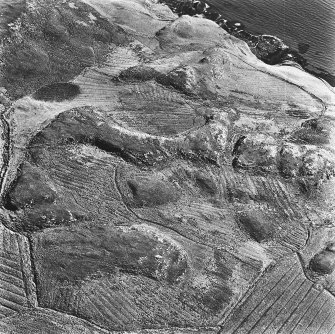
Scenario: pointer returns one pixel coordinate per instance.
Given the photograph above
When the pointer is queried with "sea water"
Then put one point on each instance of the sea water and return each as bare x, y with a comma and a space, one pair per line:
308, 25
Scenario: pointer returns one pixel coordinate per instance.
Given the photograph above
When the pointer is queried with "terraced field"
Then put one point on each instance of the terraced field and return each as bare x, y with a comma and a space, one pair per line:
17, 289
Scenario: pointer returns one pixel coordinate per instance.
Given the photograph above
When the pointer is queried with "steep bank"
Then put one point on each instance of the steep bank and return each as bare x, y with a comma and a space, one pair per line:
177, 185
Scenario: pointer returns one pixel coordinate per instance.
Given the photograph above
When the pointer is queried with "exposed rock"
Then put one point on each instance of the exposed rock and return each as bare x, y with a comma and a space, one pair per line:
331, 247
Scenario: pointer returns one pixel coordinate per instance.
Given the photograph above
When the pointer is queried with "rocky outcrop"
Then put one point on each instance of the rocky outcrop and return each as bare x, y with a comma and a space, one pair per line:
176, 185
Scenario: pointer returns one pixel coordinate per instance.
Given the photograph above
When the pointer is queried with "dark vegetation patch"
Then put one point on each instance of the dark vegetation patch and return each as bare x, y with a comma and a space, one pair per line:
151, 192
57, 92
177, 79
256, 226
206, 184
29, 189
35, 202
323, 262
220, 294
235, 194
215, 298
138, 73
237, 145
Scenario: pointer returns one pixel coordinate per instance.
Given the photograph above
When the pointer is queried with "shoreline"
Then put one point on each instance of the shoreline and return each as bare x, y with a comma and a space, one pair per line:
268, 48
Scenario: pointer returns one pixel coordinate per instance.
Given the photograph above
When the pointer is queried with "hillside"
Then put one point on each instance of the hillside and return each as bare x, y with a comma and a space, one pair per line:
157, 177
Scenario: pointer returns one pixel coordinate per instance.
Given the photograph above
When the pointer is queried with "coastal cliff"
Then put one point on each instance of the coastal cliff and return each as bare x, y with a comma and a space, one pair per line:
158, 177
